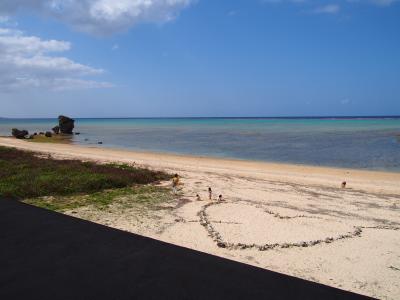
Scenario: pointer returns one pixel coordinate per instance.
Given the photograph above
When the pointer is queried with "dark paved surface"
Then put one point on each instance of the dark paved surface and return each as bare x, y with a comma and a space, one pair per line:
45, 255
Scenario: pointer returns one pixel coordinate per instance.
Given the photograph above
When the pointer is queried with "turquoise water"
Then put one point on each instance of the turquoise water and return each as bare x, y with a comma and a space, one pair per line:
355, 143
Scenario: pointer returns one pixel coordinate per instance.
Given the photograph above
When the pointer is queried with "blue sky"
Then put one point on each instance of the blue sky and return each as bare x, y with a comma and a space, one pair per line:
169, 58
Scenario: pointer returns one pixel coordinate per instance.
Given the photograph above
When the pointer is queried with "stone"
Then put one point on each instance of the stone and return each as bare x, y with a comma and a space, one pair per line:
19, 134
221, 245
77, 133
100, 143
48, 134
66, 124
56, 129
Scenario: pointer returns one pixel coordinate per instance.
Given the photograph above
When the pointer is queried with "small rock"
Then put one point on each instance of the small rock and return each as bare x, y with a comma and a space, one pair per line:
77, 133
221, 245
56, 129
19, 134
100, 143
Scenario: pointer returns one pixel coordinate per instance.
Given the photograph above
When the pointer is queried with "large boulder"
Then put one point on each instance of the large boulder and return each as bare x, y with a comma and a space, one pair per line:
66, 124
19, 134
56, 129
48, 134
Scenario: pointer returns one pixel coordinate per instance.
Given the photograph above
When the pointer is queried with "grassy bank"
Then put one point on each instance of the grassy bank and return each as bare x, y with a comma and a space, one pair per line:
26, 175
145, 196
55, 138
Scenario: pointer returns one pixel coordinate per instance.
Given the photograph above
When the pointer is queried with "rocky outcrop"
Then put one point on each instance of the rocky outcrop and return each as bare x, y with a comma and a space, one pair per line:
56, 129
66, 124
48, 134
19, 134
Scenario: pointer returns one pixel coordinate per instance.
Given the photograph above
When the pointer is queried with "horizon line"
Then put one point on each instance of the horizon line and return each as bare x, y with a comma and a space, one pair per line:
230, 117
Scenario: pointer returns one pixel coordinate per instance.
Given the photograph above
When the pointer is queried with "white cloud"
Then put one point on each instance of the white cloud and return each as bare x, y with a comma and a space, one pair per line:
100, 17
232, 13
3, 19
28, 62
327, 9
330, 8
282, 1
376, 2
384, 2
345, 101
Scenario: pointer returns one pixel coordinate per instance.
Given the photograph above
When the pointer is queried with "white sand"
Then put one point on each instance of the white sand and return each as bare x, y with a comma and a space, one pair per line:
287, 218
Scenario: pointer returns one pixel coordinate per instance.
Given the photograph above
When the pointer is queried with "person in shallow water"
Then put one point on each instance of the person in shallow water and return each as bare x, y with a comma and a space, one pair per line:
175, 182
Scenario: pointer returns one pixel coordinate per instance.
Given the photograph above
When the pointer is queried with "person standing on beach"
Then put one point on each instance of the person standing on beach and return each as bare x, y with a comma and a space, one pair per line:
175, 182
209, 193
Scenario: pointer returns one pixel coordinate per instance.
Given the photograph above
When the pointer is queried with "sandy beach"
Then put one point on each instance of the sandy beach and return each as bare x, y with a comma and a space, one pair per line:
292, 219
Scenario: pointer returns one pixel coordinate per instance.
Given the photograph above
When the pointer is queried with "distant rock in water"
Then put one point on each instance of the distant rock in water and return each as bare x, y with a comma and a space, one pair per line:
66, 124
19, 134
48, 134
56, 129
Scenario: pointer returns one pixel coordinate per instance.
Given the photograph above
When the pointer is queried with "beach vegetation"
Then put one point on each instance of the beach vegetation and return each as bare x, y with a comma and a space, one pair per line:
139, 195
54, 139
30, 175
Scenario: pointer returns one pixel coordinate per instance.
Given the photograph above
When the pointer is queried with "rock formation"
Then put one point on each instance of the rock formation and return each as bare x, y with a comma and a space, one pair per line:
56, 129
48, 134
66, 124
19, 134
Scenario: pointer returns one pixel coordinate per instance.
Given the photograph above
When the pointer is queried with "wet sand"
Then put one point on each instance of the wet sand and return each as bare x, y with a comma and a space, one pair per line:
291, 219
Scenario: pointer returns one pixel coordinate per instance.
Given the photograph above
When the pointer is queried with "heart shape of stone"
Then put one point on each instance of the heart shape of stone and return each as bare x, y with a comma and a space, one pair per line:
246, 224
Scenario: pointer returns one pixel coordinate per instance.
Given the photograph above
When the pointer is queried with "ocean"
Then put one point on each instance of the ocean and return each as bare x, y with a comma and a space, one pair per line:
362, 143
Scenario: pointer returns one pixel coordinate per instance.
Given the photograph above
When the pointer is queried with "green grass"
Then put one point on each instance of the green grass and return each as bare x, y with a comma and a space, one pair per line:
147, 195
56, 138
25, 175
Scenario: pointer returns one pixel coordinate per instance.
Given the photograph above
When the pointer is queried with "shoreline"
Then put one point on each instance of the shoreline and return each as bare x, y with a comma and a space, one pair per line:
369, 180
290, 219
